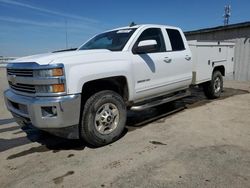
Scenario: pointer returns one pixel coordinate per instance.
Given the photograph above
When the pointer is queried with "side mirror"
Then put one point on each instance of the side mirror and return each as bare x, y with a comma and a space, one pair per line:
145, 46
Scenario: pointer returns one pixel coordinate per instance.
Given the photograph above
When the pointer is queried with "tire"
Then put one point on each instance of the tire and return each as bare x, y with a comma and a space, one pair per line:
103, 118
214, 88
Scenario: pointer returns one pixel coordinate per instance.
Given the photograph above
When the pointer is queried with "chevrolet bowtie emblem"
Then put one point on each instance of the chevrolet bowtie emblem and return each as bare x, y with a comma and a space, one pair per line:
12, 79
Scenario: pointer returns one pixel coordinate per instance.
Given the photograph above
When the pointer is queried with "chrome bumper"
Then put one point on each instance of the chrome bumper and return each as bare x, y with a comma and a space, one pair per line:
31, 110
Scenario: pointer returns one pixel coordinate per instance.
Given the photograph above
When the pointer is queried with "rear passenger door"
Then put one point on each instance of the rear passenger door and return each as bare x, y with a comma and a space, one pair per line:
179, 64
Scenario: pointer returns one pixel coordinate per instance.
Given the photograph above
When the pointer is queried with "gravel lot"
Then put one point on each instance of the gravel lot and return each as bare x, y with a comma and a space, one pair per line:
192, 142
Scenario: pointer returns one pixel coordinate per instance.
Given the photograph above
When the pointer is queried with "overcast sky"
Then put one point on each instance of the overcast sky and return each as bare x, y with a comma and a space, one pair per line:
37, 26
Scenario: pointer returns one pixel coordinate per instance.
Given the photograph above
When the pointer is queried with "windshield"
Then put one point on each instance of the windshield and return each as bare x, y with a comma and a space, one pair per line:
113, 40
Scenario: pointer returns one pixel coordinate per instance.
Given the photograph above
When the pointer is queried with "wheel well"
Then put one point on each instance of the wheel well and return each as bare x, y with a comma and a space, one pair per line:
117, 84
221, 69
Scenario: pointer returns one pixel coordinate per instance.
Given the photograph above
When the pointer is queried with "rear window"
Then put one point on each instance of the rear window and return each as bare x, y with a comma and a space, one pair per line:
175, 40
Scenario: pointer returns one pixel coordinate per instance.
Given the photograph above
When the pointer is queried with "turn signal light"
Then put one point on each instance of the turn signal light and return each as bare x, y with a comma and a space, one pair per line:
57, 72
57, 88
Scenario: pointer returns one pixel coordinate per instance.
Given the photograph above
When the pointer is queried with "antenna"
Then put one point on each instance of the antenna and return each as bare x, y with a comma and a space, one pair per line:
227, 14
132, 24
66, 33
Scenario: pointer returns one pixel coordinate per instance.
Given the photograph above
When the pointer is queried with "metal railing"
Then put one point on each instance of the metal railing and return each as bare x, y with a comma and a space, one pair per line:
4, 61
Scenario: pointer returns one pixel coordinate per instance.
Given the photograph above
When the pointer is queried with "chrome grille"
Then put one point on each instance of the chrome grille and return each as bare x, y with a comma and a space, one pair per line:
27, 88
27, 79
23, 87
20, 72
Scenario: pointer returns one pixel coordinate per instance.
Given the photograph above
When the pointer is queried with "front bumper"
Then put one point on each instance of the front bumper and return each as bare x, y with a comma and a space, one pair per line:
63, 123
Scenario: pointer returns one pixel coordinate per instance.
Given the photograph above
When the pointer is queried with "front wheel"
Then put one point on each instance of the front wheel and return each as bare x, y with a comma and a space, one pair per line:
213, 88
103, 118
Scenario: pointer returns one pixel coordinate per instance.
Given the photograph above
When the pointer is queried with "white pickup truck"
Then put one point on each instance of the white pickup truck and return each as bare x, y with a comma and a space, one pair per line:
85, 94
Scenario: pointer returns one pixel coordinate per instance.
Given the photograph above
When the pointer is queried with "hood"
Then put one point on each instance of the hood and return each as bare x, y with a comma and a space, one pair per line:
48, 58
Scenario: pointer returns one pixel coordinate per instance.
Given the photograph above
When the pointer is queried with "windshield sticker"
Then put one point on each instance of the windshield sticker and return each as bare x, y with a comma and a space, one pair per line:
124, 31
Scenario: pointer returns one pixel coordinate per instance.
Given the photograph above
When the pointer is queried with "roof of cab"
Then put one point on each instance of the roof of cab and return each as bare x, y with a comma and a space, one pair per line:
145, 25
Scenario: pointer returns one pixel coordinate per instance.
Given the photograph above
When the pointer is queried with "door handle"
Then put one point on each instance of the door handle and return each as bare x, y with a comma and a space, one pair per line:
188, 58
167, 60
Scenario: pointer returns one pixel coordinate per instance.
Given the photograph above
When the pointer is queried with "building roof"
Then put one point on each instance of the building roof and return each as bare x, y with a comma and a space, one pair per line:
219, 28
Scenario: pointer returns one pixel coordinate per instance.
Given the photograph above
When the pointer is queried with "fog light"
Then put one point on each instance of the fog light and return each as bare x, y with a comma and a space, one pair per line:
49, 111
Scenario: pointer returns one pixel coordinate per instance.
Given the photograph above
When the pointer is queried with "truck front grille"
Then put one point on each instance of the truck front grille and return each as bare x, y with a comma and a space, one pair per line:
31, 79
27, 88
18, 72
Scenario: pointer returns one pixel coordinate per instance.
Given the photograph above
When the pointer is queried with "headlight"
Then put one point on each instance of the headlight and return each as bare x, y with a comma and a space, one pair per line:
49, 72
55, 88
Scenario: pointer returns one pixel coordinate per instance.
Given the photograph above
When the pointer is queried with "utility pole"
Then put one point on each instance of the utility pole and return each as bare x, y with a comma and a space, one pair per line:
227, 14
66, 32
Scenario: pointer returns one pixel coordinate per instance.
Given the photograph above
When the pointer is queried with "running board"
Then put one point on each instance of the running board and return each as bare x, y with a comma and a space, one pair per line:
161, 101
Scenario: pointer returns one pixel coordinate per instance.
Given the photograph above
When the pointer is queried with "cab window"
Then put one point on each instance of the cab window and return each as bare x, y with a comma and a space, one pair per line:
153, 34
175, 40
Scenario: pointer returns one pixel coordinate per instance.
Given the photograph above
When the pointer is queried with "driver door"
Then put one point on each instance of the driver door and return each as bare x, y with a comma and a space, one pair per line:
148, 76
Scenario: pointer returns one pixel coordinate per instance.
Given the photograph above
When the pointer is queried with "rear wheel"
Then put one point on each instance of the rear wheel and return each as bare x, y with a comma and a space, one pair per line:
103, 118
213, 88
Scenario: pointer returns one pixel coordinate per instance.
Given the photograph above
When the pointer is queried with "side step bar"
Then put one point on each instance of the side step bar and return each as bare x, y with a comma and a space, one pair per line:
161, 101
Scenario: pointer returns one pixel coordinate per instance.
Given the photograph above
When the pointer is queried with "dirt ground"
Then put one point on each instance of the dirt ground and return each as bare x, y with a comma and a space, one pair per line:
193, 142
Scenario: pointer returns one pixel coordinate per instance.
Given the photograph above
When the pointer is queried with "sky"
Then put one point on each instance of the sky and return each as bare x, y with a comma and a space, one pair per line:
38, 26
